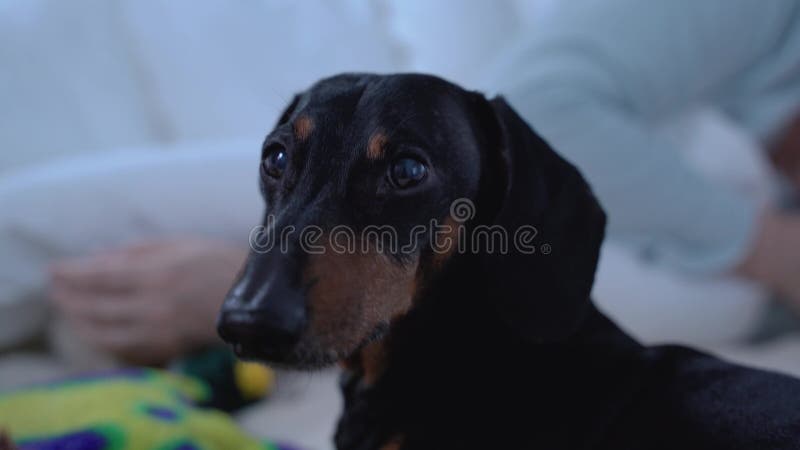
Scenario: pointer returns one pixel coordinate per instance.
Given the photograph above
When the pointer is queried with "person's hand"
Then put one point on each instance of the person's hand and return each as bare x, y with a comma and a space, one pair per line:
147, 303
774, 259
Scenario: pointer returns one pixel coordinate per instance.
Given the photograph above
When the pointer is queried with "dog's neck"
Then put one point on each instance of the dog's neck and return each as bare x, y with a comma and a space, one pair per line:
451, 366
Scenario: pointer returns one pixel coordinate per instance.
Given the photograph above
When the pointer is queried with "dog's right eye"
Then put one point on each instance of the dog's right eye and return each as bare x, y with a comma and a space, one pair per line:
275, 162
406, 172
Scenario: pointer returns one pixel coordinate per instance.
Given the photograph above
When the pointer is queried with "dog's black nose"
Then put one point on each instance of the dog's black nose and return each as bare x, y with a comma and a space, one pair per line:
260, 334
264, 314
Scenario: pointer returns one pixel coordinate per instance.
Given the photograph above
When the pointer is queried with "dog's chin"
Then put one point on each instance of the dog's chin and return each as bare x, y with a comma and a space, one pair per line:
303, 356
307, 354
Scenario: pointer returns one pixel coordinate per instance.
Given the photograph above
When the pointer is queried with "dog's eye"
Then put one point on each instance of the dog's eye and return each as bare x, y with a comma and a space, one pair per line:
407, 172
275, 162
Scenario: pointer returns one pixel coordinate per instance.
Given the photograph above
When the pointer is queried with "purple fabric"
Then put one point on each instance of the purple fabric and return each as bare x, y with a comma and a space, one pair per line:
80, 440
162, 413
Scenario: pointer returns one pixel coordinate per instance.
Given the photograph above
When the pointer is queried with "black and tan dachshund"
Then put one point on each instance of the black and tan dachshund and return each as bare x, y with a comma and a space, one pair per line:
451, 347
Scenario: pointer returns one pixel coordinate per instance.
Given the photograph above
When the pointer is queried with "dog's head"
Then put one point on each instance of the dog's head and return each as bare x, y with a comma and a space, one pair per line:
373, 185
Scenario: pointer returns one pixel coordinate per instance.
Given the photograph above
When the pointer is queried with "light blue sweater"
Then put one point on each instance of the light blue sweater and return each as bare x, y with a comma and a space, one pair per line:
596, 76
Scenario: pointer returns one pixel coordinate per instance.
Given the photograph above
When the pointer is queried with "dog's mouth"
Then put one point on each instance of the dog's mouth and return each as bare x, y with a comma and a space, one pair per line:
302, 356
306, 354
250, 351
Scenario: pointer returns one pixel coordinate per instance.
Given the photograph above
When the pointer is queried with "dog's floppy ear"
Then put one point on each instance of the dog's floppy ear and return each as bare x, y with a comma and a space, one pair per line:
544, 294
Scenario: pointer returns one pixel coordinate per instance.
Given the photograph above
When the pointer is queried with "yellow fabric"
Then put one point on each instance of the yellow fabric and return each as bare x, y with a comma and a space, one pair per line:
132, 410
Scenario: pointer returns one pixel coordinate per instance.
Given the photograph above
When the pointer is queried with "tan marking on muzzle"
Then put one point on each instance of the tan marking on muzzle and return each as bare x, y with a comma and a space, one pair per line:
449, 239
394, 444
353, 293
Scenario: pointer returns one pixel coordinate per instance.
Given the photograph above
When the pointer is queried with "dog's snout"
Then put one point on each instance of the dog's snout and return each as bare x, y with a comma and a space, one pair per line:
260, 329
264, 315
263, 333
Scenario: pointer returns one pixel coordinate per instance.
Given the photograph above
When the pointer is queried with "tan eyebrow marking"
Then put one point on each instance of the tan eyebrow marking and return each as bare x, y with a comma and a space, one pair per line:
375, 147
303, 127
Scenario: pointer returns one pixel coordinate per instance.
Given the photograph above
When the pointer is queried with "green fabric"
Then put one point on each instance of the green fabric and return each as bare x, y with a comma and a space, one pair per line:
137, 409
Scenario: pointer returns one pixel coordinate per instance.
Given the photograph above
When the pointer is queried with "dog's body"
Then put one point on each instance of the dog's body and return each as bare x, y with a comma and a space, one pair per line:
457, 349
467, 386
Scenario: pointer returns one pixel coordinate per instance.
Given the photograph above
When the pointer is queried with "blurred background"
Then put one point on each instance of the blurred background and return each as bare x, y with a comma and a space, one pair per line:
130, 136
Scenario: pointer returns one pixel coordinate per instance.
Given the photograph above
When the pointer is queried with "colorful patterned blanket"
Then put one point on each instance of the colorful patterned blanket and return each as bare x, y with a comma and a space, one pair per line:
135, 409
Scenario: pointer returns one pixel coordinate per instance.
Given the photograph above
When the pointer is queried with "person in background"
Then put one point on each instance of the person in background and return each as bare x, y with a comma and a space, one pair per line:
597, 78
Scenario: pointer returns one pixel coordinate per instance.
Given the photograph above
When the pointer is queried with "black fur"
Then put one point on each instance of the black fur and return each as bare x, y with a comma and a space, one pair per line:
499, 351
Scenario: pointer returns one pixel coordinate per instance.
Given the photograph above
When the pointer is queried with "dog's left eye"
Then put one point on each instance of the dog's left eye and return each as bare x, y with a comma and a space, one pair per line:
275, 162
406, 172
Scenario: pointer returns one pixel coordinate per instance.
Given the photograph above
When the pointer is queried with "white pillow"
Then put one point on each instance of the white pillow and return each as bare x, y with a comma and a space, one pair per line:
67, 82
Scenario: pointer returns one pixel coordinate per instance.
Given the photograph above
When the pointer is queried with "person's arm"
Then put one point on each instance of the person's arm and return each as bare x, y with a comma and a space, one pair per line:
595, 77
